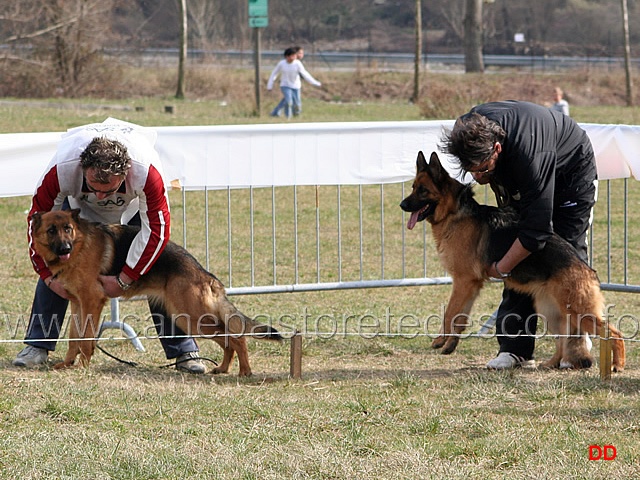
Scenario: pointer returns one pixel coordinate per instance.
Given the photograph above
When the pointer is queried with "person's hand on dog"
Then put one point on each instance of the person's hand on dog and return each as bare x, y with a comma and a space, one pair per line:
56, 286
111, 286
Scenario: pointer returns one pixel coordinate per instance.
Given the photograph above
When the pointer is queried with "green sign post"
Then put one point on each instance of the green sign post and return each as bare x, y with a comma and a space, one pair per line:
258, 18
258, 13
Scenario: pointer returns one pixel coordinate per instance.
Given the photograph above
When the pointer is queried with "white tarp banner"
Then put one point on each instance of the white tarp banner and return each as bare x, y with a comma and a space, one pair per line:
296, 154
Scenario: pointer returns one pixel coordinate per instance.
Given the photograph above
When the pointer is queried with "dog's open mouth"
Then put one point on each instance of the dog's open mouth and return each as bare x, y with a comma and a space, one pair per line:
63, 251
419, 215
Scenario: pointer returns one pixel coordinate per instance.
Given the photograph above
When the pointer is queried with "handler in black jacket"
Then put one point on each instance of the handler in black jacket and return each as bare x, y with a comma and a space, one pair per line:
540, 162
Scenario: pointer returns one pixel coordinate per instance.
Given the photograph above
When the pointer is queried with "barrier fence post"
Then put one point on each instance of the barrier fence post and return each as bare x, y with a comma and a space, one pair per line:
295, 370
605, 352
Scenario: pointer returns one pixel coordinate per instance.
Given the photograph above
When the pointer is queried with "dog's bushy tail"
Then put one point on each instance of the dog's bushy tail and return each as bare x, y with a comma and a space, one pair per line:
236, 322
240, 324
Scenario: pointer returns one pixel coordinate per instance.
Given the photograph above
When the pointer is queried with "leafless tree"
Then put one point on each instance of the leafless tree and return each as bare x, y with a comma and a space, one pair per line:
627, 52
418, 54
473, 61
205, 17
182, 51
64, 40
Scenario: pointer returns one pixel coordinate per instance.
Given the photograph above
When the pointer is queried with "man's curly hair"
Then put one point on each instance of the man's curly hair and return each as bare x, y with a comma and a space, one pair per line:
472, 139
107, 157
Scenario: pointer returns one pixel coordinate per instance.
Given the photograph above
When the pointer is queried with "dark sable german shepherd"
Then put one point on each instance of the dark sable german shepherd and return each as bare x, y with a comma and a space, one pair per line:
470, 236
77, 251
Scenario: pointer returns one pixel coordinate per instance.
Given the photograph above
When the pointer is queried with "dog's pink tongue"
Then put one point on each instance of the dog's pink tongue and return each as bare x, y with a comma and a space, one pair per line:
65, 257
413, 219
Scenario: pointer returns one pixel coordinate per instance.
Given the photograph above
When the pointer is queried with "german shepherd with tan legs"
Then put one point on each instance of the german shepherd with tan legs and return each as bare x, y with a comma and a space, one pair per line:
470, 236
77, 251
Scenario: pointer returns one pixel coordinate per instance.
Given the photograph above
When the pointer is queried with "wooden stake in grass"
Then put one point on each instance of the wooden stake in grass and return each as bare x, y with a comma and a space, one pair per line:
296, 357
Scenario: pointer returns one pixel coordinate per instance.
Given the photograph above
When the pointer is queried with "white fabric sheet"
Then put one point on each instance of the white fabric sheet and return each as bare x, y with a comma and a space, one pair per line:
296, 154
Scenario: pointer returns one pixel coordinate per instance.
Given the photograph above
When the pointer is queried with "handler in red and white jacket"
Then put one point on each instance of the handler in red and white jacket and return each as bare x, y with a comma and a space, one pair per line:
112, 173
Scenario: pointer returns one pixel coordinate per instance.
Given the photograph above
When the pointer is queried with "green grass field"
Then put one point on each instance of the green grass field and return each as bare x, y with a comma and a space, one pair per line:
386, 407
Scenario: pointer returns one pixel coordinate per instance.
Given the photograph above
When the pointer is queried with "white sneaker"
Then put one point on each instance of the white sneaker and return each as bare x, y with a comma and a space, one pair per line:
31, 356
508, 361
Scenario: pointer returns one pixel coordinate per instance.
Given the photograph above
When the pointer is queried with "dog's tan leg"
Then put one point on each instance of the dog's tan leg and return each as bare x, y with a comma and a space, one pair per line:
570, 347
227, 356
239, 346
210, 327
554, 361
551, 315
456, 316
85, 324
576, 352
618, 348
73, 349
90, 328
581, 324
231, 345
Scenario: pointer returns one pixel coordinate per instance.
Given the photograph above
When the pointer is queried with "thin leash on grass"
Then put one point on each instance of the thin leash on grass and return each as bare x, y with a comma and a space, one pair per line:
135, 364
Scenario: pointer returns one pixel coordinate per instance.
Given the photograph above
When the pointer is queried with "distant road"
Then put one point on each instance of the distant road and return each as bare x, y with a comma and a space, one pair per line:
382, 61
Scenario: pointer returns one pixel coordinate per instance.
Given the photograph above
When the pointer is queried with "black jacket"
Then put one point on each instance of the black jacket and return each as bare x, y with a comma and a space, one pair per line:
545, 157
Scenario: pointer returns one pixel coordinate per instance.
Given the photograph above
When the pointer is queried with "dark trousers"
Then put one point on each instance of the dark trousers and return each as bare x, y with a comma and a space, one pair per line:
49, 309
516, 321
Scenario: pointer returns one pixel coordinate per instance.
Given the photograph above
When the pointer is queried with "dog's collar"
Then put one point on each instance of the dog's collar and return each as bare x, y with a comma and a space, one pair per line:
53, 277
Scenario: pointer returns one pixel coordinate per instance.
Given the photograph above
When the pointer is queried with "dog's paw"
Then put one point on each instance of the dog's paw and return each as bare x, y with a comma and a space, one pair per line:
450, 346
549, 364
576, 363
64, 366
438, 342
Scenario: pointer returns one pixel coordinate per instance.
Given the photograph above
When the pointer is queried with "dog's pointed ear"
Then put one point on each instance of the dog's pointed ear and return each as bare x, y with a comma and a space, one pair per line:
75, 214
421, 162
36, 221
434, 161
436, 169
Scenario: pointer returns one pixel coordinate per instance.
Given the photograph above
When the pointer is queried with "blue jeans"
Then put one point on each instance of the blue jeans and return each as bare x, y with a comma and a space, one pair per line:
290, 102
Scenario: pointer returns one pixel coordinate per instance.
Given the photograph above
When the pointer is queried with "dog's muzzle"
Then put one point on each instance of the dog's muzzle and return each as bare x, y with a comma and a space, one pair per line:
63, 250
420, 215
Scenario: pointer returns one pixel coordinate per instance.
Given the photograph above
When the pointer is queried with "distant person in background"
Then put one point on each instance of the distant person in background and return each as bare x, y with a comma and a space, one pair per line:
297, 97
559, 104
297, 102
290, 69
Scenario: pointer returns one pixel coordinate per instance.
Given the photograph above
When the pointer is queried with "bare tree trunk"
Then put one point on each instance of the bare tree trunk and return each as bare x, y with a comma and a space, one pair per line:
418, 59
256, 60
182, 7
473, 61
627, 52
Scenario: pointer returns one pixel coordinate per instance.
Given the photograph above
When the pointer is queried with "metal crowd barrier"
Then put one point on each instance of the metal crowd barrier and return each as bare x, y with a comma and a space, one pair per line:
290, 239
295, 239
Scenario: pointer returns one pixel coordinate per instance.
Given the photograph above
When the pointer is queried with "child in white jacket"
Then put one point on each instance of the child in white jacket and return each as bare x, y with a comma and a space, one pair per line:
290, 69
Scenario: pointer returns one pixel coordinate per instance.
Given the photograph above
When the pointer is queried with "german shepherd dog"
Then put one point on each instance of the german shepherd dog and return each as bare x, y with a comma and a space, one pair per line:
470, 236
77, 251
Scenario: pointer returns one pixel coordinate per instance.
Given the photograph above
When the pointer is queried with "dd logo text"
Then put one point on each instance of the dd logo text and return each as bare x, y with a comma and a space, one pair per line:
605, 452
